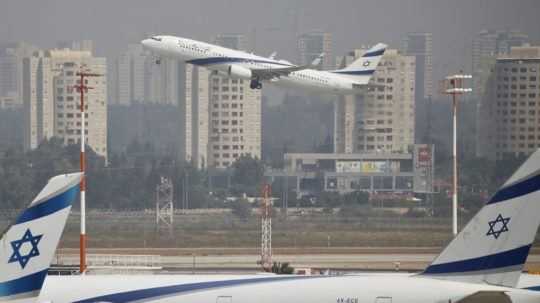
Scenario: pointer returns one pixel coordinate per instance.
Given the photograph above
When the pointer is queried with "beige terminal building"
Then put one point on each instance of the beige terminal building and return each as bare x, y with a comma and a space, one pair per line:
51, 104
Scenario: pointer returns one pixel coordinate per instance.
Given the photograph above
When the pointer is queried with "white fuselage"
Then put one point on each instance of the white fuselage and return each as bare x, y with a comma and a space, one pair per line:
382, 288
220, 59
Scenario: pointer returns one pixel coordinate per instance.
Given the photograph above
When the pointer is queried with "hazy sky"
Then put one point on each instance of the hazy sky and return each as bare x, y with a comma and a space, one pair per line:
114, 23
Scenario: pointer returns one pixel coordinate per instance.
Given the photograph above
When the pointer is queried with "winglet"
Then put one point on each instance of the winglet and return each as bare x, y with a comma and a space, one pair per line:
28, 246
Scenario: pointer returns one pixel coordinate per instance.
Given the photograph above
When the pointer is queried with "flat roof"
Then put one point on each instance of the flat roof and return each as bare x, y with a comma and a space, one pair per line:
343, 156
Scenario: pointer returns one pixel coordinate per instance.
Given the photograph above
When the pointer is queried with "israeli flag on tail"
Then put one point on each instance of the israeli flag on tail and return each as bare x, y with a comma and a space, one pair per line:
494, 245
361, 70
28, 246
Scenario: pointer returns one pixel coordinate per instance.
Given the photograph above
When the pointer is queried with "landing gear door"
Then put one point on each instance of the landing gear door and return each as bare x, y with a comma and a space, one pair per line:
383, 300
224, 299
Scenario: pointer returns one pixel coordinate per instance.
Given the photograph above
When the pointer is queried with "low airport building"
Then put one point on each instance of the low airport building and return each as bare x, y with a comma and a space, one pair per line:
406, 173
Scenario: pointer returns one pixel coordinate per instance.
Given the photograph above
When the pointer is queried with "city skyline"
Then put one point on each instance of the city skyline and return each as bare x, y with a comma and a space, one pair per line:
453, 26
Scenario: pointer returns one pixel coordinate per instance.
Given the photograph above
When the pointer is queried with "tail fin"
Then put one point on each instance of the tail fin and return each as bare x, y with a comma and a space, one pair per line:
317, 61
27, 247
494, 245
361, 70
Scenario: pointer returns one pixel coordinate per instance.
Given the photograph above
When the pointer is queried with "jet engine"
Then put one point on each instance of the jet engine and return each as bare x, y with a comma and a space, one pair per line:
236, 71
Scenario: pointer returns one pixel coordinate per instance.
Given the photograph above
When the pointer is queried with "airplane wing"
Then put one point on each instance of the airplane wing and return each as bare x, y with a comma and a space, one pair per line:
273, 73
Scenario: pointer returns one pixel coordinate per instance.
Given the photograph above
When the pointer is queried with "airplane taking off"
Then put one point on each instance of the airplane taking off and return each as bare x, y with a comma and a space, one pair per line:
238, 64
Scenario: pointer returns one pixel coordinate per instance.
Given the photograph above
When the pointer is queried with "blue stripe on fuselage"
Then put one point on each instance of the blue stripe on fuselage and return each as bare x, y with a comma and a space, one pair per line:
223, 60
519, 189
50, 206
354, 72
144, 294
22, 285
512, 257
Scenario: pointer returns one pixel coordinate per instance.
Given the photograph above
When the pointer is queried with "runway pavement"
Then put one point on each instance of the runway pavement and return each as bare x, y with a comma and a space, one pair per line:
341, 261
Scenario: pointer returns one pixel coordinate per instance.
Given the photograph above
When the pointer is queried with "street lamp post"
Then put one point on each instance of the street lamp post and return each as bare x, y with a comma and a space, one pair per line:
454, 85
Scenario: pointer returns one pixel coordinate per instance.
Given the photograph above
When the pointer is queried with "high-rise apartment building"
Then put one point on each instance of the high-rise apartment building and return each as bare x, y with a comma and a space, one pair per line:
235, 121
9, 71
510, 107
193, 114
138, 76
219, 117
234, 41
52, 105
66, 64
234, 114
420, 45
77, 45
38, 99
311, 45
490, 44
129, 76
382, 119
161, 81
11, 67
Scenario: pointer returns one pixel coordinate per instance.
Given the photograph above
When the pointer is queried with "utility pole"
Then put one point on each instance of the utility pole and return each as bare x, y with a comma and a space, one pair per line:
454, 86
82, 88
266, 229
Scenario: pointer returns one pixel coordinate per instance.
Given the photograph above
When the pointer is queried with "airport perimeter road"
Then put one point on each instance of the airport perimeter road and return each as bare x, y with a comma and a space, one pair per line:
370, 259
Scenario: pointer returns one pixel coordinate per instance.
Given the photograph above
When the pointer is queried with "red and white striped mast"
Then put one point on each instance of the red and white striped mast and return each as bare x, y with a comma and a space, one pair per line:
82, 88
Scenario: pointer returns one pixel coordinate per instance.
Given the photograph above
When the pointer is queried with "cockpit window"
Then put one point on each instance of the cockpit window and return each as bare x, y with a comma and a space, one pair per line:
156, 38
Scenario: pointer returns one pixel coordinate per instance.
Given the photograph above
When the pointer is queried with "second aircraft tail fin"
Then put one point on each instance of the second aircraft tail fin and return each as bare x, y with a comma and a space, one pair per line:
361, 70
494, 245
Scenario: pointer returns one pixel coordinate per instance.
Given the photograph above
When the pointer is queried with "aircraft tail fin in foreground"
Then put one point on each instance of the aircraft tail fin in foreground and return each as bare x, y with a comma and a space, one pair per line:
361, 70
28, 246
494, 245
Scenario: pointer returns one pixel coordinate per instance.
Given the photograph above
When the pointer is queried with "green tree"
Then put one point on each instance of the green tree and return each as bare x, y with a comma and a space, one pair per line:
248, 171
356, 198
241, 208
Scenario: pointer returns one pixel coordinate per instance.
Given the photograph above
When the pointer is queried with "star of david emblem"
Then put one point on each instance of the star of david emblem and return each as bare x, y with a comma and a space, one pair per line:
366, 64
498, 226
23, 253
